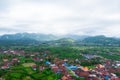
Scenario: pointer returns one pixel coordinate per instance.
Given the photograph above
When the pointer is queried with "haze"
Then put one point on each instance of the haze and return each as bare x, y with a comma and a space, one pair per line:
81, 17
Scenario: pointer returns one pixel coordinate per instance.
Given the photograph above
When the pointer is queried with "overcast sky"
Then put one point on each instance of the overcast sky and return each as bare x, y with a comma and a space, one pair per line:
82, 17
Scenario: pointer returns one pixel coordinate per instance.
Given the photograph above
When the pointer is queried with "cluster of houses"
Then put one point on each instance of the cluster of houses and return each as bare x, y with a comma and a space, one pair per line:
104, 71
16, 52
100, 72
41, 68
7, 64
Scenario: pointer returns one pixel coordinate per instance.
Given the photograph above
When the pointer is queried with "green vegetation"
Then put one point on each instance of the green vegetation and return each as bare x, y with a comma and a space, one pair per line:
118, 74
26, 73
74, 55
28, 64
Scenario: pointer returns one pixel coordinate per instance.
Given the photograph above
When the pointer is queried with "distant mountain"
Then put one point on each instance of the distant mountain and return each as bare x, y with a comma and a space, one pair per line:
101, 40
25, 39
18, 42
34, 38
39, 37
76, 37
70, 40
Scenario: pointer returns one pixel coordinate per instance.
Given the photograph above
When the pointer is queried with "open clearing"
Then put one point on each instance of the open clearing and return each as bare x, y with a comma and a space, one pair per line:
28, 64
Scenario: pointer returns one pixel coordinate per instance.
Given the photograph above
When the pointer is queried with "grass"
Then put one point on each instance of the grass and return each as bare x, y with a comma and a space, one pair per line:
27, 78
91, 67
28, 64
29, 70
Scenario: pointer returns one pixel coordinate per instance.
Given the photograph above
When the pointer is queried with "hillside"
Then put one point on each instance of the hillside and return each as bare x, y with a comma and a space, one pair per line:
101, 40
34, 38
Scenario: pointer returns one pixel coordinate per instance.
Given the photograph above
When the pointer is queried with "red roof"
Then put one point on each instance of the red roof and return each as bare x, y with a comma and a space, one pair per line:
83, 74
34, 66
116, 79
4, 67
36, 59
15, 59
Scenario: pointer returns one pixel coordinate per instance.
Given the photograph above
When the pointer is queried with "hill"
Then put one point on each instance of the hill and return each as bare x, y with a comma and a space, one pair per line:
101, 40
34, 38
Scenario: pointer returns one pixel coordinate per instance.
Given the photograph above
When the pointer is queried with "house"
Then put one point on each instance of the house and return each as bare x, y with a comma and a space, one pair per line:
15, 59
12, 51
5, 60
92, 75
93, 78
36, 59
118, 64
89, 56
32, 55
47, 63
5, 52
108, 62
64, 64
67, 77
85, 68
106, 77
34, 67
4, 67
115, 78
83, 74
41, 59
41, 68
7, 64
64, 78
65, 60
55, 69
99, 66
72, 67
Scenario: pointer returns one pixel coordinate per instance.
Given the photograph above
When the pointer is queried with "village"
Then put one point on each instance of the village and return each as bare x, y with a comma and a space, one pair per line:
38, 61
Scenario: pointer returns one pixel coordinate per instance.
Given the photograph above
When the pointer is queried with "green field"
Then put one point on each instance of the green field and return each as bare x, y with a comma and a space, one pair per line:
28, 64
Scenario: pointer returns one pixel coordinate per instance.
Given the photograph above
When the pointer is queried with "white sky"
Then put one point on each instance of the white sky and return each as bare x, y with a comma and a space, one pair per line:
82, 17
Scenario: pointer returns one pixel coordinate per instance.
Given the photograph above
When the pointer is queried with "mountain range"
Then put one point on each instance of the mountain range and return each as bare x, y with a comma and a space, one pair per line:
35, 38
